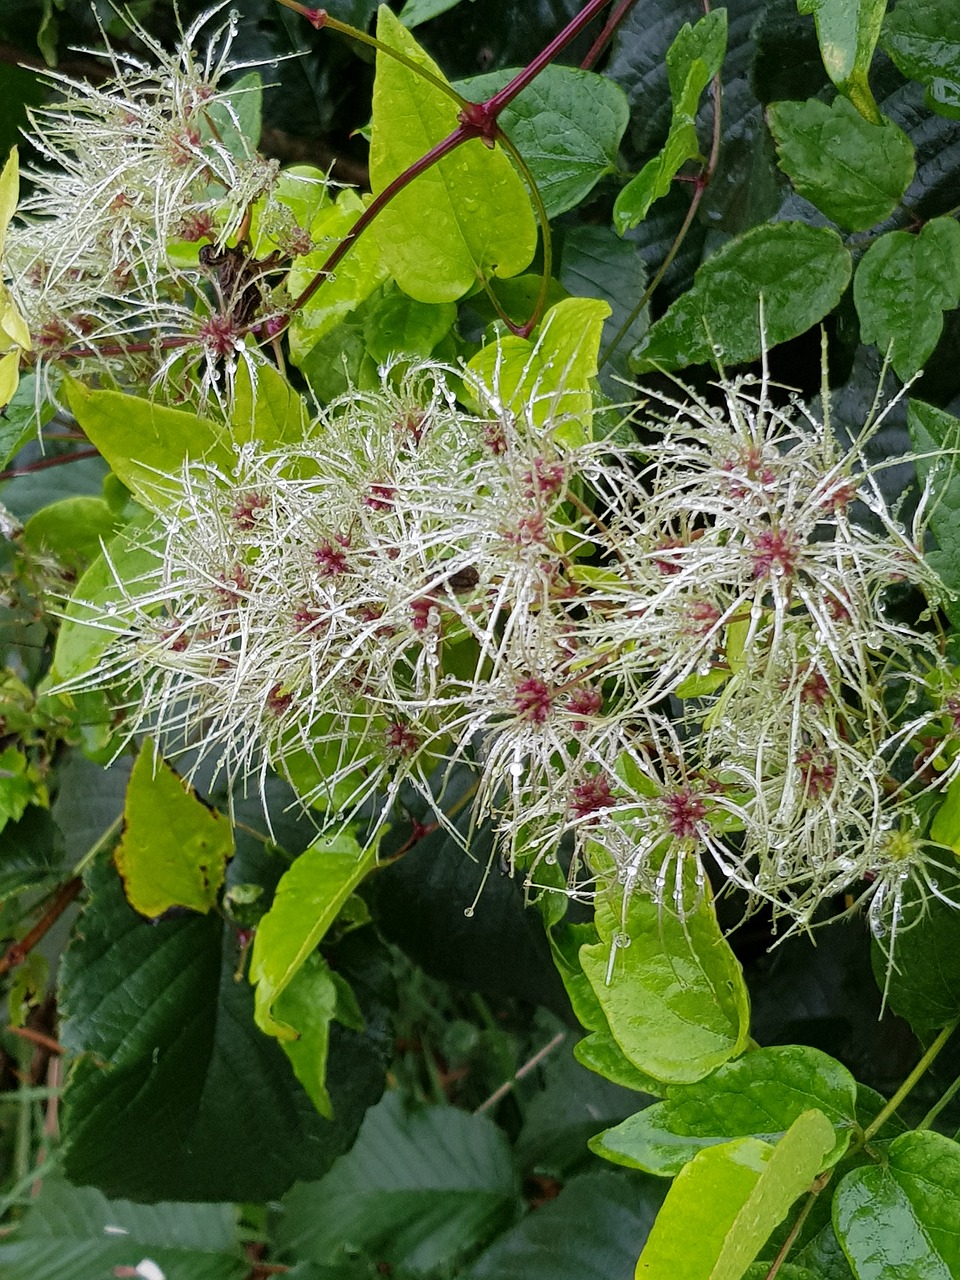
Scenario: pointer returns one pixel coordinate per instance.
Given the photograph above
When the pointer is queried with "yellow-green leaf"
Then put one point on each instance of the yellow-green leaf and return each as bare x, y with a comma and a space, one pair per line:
466, 218
548, 376
308, 899
174, 849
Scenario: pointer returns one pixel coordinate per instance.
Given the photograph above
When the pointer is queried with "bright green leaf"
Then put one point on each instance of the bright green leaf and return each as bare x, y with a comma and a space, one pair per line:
75, 1233
798, 272
22, 418
853, 171
898, 1220
266, 409
143, 441
400, 326
174, 849
480, 221
760, 1095
308, 899
923, 39
548, 376
674, 997
131, 558
726, 1201
567, 125
308, 1003
71, 529
421, 1188
945, 828
848, 31
903, 285
357, 275
693, 60
599, 1052
20, 785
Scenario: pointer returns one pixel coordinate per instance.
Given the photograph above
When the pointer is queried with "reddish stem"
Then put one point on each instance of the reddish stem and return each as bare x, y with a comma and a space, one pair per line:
42, 463
18, 952
435, 154
603, 39
38, 1038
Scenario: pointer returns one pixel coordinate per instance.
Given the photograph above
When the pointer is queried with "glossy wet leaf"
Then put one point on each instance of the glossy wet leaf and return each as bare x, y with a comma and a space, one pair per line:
898, 1220
308, 1003
923, 39
548, 375
480, 219
422, 1188
903, 285
853, 171
75, 1233
398, 325
596, 263
167, 1063
174, 849
760, 1095
355, 279
693, 60
308, 900
266, 409
798, 271
567, 125
726, 1201
848, 31
674, 998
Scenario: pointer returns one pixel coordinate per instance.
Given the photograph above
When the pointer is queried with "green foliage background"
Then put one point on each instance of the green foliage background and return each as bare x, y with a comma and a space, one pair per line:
188, 1135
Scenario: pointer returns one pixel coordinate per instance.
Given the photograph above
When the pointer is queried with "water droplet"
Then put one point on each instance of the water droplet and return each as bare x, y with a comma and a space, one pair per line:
551, 859
622, 940
468, 912
877, 927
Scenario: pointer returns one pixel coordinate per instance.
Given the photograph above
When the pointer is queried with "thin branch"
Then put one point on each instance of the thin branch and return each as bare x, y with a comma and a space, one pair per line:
906, 1088
525, 1070
605, 36
37, 1038
18, 952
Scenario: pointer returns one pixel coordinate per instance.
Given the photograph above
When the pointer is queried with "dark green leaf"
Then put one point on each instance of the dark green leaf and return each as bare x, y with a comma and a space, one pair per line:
922, 977
22, 418
74, 1233
420, 1189
902, 286
797, 272
848, 31
31, 852
923, 39
416, 11
853, 171
594, 1230
176, 1092
596, 263
935, 435
567, 125
898, 1221
760, 1095
234, 120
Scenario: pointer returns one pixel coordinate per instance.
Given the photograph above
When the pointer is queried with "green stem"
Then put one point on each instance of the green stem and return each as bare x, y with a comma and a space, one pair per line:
938, 1106
908, 1085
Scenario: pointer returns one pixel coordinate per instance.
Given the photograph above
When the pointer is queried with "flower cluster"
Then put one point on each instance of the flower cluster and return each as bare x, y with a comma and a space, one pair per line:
658, 658
137, 173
